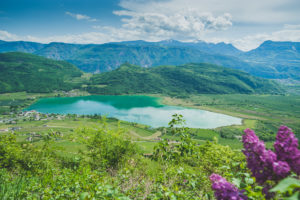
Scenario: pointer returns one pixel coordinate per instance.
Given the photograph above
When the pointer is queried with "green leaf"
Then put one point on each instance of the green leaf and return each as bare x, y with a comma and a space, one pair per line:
296, 196
286, 184
249, 180
84, 196
236, 182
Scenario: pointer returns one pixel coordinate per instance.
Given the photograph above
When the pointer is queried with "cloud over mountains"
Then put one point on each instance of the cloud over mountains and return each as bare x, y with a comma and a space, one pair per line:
240, 22
188, 23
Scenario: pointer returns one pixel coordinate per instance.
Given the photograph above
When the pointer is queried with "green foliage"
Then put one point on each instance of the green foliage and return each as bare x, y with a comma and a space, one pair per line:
185, 79
12, 187
9, 151
25, 156
108, 149
58, 184
229, 133
289, 188
209, 156
110, 166
26, 72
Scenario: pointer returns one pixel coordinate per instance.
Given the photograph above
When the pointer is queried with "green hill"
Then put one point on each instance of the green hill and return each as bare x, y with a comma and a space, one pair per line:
184, 79
31, 73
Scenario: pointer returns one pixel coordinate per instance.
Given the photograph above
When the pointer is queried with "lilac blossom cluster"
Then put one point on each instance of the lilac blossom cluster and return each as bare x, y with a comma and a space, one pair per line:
286, 148
225, 190
263, 163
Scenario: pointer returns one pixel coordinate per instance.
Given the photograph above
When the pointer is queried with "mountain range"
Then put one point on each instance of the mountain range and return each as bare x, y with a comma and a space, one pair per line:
274, 60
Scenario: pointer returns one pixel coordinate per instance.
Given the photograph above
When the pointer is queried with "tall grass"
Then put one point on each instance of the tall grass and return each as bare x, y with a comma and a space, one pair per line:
12, 188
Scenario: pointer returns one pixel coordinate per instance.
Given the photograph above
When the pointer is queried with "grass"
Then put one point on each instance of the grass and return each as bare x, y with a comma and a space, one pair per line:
68, 127
13, 188
146, 146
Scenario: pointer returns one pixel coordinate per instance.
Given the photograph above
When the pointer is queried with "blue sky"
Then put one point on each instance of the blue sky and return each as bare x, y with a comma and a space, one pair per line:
243, 23
48, 17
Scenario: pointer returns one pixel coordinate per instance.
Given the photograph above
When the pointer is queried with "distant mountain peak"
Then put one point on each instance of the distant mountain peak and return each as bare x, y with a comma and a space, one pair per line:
199, 41
169, 40
278, 45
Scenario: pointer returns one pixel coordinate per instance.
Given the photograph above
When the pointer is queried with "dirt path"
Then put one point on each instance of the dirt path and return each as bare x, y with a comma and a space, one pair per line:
151, 137
58, 127
154, 136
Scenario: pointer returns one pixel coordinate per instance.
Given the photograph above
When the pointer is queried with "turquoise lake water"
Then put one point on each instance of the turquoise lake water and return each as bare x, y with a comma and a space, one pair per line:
140, 109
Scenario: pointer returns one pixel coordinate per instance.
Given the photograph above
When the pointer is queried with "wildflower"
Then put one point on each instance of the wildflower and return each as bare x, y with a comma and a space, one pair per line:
286, 147
281, 169
263, 163
225, 190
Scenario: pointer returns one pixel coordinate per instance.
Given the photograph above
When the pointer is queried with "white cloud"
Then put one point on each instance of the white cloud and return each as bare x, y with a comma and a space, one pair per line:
243, 11
292, 26
4, 35
81, 17
184, 24
288, 33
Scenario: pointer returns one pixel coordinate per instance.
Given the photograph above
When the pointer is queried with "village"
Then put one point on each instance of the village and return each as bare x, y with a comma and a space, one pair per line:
15, 118
31, 115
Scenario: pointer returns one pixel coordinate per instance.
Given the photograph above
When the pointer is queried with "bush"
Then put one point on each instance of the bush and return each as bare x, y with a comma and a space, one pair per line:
10, 151
108, 149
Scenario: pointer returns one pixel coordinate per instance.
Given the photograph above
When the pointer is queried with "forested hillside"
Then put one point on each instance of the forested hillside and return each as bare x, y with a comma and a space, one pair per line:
31, 73
184, 79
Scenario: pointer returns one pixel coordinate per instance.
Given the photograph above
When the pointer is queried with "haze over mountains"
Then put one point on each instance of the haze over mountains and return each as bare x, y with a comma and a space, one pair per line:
274, 60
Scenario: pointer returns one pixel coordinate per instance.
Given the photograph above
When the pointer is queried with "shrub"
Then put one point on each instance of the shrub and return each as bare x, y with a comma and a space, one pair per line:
109, 149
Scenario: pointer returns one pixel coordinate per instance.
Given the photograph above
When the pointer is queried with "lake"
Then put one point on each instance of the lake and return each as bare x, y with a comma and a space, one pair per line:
140, 109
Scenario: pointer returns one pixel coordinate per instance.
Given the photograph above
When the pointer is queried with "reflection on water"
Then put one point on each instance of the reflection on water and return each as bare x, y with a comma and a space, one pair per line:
139, 109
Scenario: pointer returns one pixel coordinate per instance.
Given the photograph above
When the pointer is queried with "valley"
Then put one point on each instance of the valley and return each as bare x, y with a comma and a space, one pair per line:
149, 100
104, 132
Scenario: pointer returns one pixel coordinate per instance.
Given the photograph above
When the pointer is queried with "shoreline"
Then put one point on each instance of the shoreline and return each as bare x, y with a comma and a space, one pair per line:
161, 100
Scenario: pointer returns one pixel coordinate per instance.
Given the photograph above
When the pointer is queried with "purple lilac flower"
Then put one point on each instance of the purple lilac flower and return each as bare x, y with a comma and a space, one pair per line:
262, 162
281, 169
225, 190
286, 147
